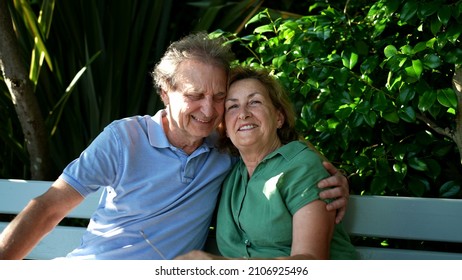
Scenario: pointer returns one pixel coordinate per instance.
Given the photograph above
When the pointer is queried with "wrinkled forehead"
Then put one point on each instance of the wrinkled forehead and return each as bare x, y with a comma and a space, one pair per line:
197, 75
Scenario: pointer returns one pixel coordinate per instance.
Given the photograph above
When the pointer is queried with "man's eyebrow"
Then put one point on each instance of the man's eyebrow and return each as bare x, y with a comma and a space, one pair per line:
220, 93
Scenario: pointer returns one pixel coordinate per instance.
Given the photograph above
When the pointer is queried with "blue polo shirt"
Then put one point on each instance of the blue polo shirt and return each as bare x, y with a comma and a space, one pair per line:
157, 200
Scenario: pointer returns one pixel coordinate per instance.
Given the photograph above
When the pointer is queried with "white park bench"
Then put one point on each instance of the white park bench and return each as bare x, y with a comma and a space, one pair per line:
418, 219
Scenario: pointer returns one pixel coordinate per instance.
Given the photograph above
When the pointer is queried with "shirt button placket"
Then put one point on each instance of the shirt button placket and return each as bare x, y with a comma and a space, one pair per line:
247, 244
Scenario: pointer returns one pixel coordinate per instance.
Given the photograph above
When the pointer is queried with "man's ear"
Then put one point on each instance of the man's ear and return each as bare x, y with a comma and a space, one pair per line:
164, 97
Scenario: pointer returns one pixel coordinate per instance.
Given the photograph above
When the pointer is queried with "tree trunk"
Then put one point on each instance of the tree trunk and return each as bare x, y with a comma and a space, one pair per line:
22, 93
457, 85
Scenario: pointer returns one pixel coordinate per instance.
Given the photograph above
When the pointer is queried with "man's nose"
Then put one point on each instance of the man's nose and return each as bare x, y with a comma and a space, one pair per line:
207, 106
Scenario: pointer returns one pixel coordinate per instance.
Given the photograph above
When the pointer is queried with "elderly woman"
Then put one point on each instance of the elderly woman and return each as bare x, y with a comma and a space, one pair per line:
270, 205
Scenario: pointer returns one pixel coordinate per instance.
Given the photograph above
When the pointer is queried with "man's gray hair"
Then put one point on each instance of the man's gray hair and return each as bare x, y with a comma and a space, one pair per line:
198, 46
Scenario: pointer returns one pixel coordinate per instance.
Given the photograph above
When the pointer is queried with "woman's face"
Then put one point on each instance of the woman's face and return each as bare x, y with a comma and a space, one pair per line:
250, 116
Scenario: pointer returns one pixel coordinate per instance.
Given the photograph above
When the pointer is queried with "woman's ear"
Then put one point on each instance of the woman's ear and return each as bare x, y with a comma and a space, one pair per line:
280, 119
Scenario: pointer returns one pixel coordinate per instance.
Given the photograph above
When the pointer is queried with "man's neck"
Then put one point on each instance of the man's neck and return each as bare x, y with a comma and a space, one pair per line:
180, 140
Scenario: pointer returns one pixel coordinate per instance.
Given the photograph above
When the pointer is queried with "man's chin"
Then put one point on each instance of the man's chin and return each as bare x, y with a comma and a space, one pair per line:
203, 133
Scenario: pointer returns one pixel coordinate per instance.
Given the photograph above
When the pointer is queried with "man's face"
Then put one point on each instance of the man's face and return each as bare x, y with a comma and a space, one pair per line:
196, 104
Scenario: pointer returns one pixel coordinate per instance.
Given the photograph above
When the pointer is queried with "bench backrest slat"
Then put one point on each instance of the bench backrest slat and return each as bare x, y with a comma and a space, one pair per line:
431, 219
371, 253
15, 194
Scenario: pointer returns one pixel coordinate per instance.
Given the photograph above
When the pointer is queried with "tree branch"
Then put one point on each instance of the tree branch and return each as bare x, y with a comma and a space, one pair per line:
431, 124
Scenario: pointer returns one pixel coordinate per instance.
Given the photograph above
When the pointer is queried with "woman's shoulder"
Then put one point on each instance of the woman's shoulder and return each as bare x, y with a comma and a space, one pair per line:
297, 149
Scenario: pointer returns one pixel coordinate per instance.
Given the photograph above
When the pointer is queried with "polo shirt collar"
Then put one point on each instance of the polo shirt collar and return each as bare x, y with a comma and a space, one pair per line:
287, 151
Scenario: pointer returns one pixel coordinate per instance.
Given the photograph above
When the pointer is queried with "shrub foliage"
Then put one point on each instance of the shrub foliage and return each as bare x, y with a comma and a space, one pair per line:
373, 88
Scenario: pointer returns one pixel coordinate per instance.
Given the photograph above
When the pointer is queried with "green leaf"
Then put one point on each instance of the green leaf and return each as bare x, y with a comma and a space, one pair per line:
370, 118
357, 120
402, 60
390, 51
361, 162
407, 114
40, 51
400, 167
453, 33
279, 60
264, 28
442, 148
447, 97
444, 14
380, 102
391, 116
305, 89
432, 61
363, 107
406, 94
417, 164
406, 49
449, 189
415, 70
46, 16
409, 10
454, 56
432, 42
378, 185
369, 65
428, 9
340, 76
417, 186
435, 26
427, 100
434, 168
343, 113
356, 89
379, 27
257, 17
349, 59
419, 47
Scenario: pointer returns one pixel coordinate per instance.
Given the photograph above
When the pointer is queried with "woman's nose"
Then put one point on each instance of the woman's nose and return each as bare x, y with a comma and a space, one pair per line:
244, 114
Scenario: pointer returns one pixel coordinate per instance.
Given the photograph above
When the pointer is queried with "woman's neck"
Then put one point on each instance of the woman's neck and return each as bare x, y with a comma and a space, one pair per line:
253, 156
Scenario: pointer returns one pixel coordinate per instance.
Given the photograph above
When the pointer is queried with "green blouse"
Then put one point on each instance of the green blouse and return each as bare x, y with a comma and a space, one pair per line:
255, 215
